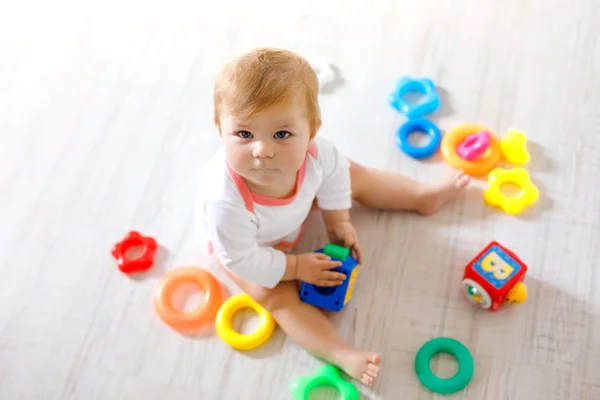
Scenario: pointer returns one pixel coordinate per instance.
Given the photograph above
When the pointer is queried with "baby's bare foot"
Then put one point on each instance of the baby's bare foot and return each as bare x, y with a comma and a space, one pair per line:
435, 196
361, 365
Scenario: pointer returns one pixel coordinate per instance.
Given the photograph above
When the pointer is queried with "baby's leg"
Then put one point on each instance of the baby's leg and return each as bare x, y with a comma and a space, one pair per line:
310, 328
388, 190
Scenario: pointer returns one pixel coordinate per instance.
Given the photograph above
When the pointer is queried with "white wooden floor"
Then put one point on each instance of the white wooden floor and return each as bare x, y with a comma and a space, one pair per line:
105, 125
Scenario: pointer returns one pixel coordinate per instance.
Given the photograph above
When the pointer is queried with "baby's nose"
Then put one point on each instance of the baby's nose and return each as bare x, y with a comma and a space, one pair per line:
262, 150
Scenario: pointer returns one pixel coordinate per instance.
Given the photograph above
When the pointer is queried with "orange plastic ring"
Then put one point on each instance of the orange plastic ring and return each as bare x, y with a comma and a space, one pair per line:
484, 164
204, 314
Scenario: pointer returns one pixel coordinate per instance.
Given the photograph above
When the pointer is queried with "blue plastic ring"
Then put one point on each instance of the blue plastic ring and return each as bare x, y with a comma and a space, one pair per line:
413, 125
404, 85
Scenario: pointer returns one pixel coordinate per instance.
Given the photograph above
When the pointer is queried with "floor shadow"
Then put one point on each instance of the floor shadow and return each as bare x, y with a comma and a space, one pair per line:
557, 324
273, 346
413, 294
540, 161
337, 83
157, 269
445, 109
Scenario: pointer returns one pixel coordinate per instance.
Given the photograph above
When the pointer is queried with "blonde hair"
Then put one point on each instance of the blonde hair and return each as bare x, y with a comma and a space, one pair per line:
264, 77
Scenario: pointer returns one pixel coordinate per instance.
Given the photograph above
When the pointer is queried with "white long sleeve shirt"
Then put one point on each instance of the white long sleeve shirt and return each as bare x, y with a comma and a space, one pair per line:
242, 227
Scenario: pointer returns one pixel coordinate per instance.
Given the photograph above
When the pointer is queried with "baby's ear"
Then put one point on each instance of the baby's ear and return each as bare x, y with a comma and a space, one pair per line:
314, 132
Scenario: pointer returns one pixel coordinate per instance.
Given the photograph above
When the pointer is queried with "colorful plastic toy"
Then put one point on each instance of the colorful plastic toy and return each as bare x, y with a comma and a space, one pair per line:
333, 298
514, 147
420, 124
327, 375
510, 204
185, 322
405, 85
141, 263
455, 349
237, 340
480, 166
474, 146
495, 276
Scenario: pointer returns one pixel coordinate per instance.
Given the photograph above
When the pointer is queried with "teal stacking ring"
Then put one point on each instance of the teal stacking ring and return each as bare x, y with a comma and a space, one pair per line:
413, 125
455, 349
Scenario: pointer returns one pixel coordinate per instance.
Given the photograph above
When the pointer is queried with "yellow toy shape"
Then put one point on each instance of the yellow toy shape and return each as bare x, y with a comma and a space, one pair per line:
517, 294
224, 323
514, 147
350, 289
478, 297
511, 205
495, 264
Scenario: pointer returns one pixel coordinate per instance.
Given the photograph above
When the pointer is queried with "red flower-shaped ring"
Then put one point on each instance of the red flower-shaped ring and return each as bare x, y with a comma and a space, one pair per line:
141, 263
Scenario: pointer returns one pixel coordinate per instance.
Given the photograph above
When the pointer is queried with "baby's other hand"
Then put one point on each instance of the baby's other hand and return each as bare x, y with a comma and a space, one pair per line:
343, 233
315, 268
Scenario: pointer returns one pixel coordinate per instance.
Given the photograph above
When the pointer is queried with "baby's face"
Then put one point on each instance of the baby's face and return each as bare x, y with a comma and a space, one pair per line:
270, 147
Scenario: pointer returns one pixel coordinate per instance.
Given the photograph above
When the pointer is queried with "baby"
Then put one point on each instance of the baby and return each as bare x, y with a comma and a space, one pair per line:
271, 171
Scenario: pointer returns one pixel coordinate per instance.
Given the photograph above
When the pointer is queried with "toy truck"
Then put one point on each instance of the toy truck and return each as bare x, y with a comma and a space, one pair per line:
333, 298
494, 277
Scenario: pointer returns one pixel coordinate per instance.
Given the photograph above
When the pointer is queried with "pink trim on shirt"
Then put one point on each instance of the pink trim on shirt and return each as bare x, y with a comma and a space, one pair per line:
250, 198
312, 150
242, 187
272, 201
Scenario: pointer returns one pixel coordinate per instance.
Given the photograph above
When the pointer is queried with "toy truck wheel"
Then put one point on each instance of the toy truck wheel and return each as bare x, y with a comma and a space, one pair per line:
476, 294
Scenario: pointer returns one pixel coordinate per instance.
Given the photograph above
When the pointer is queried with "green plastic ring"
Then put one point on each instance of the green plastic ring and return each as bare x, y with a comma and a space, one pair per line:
327, 375
452, 347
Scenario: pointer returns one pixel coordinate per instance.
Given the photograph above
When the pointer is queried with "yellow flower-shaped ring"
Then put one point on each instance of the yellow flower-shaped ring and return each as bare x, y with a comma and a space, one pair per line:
511, 205
238, 341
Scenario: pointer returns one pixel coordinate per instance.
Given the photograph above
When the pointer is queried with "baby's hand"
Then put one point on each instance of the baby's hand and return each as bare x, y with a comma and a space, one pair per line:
315, 268
343, 233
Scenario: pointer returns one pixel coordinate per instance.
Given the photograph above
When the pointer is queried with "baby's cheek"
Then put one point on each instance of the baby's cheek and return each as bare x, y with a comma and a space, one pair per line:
238, 160
296, 160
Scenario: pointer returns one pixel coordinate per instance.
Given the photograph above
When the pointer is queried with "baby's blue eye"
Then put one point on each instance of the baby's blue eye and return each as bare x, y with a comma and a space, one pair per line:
282, 134
244, 134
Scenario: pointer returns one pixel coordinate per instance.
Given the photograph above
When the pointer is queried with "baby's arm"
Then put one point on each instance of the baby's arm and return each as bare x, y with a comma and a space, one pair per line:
335, 197
233, 235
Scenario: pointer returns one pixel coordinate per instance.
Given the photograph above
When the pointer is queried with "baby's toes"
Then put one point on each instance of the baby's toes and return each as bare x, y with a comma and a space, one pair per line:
367, 379
462, 179
373, 370
373, 358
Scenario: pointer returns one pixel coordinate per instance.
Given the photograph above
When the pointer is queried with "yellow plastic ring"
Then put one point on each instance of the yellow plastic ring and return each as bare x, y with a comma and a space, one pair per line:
455, 136
237, 340
517, 176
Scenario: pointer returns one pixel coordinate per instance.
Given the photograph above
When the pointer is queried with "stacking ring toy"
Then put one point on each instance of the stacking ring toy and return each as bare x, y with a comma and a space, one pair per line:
474, 146
405, 85
181, 321
414, 125
141, 263
455, 349
511, 205
514, 147
235, 339
453, 138
327, 375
